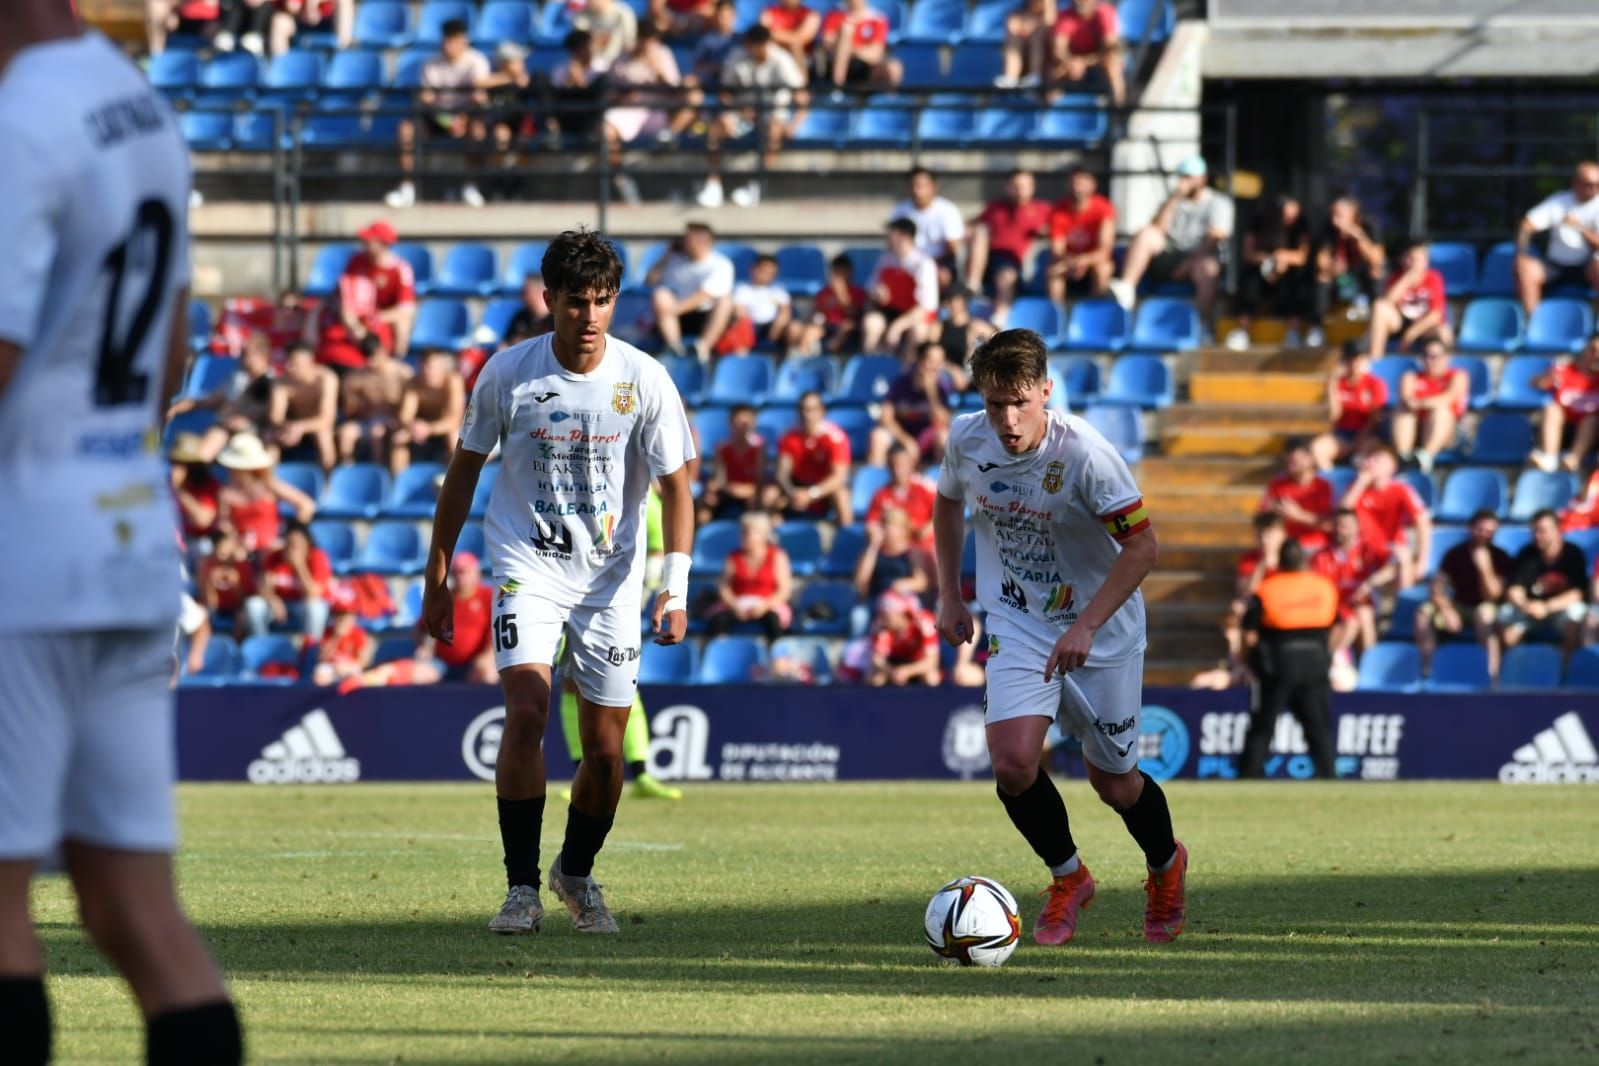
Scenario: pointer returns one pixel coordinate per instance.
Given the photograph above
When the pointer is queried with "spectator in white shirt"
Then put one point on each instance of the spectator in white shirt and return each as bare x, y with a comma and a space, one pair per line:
762, 311
1183, 242
940, 229
693, 291
759, 73
454, 92
1571, 218
903, 291
612, 26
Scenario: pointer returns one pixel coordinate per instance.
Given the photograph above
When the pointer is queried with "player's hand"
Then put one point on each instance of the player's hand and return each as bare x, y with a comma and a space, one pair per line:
955, 622
1070, 651
438, 613
670, 626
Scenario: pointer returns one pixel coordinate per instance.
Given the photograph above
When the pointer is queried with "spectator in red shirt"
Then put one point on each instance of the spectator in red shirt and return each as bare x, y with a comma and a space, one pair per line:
249, 500
195, 487
738, 470
1575, 402
908, 491
812, 466
1431, 404
1413, 305
1389, 510
1002, 238
376, 294
1082, 240
757, 582
1029, 33
1302, 497
1358, 569
835, 321
346, 649
1088, 35
1468, 587
903, 289
293, 586
470, 655
292, 16
226, 579
904, 644
794, 27
855, 41
1356, 399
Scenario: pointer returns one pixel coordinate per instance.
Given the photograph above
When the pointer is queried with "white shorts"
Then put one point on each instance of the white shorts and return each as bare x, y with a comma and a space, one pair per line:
1099, 705
602, 652
87, 750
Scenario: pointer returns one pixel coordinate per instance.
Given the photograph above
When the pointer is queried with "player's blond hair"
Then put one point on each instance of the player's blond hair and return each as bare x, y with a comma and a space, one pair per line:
1010, 361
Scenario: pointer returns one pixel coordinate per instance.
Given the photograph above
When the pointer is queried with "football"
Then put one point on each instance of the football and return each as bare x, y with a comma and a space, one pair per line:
973, 921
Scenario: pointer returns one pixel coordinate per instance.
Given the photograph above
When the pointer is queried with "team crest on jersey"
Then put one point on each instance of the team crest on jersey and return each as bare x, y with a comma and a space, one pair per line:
624, 397
1054, 476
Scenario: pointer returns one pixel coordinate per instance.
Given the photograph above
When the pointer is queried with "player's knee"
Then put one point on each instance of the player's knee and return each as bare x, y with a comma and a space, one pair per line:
1014, 771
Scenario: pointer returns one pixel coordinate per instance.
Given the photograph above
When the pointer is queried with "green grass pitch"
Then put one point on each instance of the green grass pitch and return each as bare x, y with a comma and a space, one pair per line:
1408, 923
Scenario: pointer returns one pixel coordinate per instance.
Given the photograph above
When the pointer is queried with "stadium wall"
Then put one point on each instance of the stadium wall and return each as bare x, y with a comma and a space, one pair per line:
305, 735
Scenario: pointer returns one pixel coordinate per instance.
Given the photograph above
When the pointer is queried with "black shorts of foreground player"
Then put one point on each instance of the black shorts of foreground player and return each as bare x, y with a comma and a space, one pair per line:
1063, 542
582, 422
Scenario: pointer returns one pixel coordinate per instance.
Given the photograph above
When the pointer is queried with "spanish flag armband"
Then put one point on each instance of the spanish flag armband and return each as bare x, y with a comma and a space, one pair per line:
1132, 519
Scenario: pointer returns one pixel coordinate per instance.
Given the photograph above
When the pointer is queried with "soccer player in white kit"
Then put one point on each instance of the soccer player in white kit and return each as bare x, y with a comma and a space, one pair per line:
93, 333
582, 421
1063, 542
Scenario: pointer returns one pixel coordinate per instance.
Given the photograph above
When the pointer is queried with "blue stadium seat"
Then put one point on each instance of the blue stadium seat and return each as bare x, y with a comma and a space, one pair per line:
1392, 368
394, 649
714, 542
435, 13
335, 132
864, 485
1476, 368
812, 651
1491, 324
732, 660
176, 74
354, 491
335, 538
1583, 670
259, 651
207, 131
923, 63
1459, 668
391, 548
688, 374
381, 24
823, 127
1503, 439
634, 318
472, 539
935, 22
884, 122
740, 379
415, 492
1165, 324
1139, 381
307, 477
710, 427
1141, 20
232, 75
986, 23
824, 608
199, 324
353, 73
421, 260
773, 423
845, 551
1119, 425
741, 255
1006, 125
1444, 539
441, 324
803, 543
1097, 326
408, 74
864, 258
220, 662
1470, 489
1340, 478
1390, 667
253, 131
1040, 315
527, 260
1497, 275
969, 556
554, 23
208, 374
975, 68
669, 664
1558, 326
1081, 375
1424, 485
866, 379
470, 269
1457, 262
1516, 389
503, 21
1076, 121
498, 313
798, 375
857, 424
484, 489
1403, 624
801, 269
293, 77
1587, 540
1512, 539
188, 422
1536, 490
1530, 666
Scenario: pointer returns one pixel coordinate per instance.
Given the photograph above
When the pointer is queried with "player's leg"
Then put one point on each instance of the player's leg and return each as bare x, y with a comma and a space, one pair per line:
636, 754
24, 1008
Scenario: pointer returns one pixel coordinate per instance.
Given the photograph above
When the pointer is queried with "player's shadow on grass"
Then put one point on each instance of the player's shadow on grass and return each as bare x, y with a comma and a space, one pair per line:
1461, 938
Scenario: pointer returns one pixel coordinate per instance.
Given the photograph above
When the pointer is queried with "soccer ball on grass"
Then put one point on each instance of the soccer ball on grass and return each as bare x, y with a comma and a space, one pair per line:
973, 921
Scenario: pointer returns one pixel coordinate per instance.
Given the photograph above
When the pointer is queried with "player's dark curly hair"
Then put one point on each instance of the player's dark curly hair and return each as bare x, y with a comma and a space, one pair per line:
580, 261
1010, 361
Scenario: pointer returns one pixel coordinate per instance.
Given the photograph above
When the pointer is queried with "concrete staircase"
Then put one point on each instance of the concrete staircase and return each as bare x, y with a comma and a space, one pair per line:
1217, 452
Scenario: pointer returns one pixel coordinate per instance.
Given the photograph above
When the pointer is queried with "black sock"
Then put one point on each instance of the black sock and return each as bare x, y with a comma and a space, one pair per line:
585, 836
25, 1020
520, 824
1040, 815
207, 1035
1149, 821
638, 768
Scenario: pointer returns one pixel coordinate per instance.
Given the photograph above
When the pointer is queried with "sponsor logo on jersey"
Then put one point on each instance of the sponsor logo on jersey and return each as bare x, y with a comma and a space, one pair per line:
586, 417
570, 436
1012, 507
603, 537
544, 397
309, 753
1162, 742
113, 445
569, 507
1054, 476
1563, 754
624, 397
594, 487
965, 747
993, 645
1011, 595
1060, 598
617, 656
510, 587
998, 486
983, 468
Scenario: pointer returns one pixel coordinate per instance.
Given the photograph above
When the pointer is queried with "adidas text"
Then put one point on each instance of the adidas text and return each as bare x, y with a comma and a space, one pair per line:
1563, 754
309, 754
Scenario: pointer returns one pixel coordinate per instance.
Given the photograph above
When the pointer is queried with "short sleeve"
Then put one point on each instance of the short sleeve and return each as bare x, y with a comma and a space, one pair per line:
1109, 22
1549, 213
949, 479
953, 224
1221, 214
668, 440
719, 281
1436, 298
1109, 491
29, 205
838, 447
927, 285
483, 426
780, 296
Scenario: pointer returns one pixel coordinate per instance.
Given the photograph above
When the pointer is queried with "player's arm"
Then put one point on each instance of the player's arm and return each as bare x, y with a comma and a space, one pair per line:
677, 526
1136, 560
177, 349
455, 501
949, 537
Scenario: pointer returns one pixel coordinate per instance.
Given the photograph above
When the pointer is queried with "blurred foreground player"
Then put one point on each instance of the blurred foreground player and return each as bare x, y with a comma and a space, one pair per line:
583, 421
93, 298
1063, 542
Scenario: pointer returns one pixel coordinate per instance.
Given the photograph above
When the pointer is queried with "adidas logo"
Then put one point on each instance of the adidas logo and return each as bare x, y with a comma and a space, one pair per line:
309, 754
1563, 754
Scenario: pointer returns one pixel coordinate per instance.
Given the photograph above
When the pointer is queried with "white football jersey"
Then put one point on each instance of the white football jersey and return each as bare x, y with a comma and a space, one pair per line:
577, 454
1047, 526
93, 226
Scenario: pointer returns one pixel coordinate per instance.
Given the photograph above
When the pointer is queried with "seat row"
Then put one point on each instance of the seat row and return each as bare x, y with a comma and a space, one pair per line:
1392, 666
1516, 389
1469, 489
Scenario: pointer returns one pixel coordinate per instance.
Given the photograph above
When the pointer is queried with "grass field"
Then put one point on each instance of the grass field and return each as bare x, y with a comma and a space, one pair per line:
1328, 923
